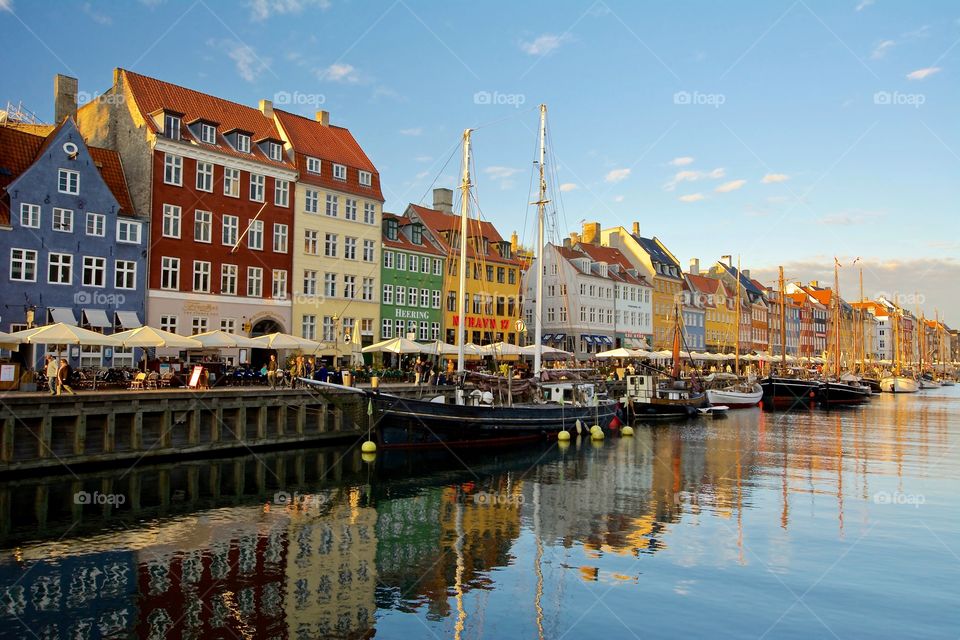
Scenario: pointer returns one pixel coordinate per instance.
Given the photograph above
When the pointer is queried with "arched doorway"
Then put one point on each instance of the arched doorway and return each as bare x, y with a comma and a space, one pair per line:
262, 327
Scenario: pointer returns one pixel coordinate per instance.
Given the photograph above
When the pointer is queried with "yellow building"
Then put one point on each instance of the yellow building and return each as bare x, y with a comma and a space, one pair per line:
492, 296
336, 233
653, 260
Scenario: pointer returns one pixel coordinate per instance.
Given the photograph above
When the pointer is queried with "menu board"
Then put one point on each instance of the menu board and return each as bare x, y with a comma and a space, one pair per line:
195, 376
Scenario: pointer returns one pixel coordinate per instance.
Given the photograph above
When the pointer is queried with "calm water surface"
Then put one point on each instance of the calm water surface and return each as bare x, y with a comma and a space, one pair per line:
841, 524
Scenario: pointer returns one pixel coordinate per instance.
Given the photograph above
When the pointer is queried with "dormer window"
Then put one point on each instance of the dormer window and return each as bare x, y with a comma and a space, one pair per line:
392, 229
339, 172
416, 234
313, 165
208, 133
365, 178
274, 151
243, 143
171, 126
506, 250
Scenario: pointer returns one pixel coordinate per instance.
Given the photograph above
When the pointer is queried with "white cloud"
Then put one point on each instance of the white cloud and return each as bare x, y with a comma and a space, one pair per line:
689, 175
921, 74
881, 49
568, 186
691, 197
618, 198
6, 5
864, 4
263, 9
339, 72
502, 175
682, 161
249, 65
771, 178
96, 16
150, 3
422, 175
544, 44
617, 175
414, 131
423, 158
733, 185
849, 218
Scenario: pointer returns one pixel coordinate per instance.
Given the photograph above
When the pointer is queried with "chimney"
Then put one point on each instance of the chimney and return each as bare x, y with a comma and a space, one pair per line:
591, 232
323, 117
728, 259
636, 228
514, 243
695, 266
64, 97
574, 238
815, 284
266, 108
567, 243
443, 200
746, 273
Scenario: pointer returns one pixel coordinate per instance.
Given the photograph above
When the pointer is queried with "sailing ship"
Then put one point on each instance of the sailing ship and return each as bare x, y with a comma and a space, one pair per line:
475, 418
897, 382
836, 390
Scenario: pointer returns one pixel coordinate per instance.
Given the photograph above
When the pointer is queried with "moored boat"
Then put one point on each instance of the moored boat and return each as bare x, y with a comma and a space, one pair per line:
781, 392
898, 384
650, 400
732, 393
832, 392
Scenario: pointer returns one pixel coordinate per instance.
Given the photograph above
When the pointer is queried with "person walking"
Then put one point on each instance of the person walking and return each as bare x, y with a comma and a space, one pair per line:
50, 369
272, 367
63, 378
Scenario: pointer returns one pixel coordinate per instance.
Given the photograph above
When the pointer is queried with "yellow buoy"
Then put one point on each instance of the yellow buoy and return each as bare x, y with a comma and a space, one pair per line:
563, 436
369, 447
596, 443
563, 445
596, 428
596, 435
368, 457
626, 431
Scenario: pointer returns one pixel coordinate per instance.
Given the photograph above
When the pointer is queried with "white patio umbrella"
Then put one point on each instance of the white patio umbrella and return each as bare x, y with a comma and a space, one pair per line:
222, 340
61, 333
501, 349
438, 348
356, 344
286, 341
545, 351
393, 345
8, 340
150, 338
662, 355
616, 353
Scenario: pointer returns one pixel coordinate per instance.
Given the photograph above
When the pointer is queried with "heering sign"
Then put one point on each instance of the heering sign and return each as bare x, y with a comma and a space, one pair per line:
411, 315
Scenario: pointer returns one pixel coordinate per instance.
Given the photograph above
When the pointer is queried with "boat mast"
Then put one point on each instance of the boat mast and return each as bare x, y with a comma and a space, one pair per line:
736, 360
783, 322
541, 203
464, 212
863, 341
836, 317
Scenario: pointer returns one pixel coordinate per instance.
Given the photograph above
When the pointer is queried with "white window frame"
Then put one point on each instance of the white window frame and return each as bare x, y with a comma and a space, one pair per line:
26, 258
369, 213
350, 209
173, 170
98, 220
171, 126
205, 176
369, 251
60, 265
68, 181
311, 242
202, 270
173, 214
123, 271
275, 151
230, 224
229, 275
96, 264
339, 172
243, 143
208, 133
349, 248
313, 165
310, 282
258, 187
255, 235
278, 284
126, 230
231, 182
332, 205
281, 192
202, 226
388, 259
169, 273
281, 237
169, 323
330, 285
365, 178
65, 220
32, 219
254, 282
330, 240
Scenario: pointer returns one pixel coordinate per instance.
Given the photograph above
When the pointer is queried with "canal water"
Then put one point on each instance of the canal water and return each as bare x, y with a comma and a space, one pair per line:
808, 524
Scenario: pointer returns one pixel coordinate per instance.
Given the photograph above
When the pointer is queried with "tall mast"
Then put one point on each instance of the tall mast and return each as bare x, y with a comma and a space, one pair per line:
921, 346
464, 212
541, 203
836, 317
783, 321
736, 360
863, 341
896, 340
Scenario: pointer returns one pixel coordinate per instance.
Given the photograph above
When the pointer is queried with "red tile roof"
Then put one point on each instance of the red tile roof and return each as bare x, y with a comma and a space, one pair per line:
403, 242
440, 223
152, 95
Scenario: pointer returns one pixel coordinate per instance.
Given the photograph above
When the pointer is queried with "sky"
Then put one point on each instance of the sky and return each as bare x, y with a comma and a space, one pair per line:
784, 132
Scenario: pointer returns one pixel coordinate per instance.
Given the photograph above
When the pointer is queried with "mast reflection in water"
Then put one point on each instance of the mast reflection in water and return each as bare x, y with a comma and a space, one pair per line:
702, 528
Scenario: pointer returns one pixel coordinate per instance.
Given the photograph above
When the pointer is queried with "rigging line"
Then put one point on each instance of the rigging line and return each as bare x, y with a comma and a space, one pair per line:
517, 114
453, 152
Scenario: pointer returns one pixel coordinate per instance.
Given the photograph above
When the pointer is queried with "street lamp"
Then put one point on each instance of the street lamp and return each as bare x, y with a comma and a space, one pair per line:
31, 314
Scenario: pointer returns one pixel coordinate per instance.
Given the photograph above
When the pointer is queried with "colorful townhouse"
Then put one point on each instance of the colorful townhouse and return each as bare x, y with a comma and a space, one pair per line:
337, 209
754, 311
70, 236
219, 187
659, 266
411, 272
720, 315
492, 306
694, 319
878, 343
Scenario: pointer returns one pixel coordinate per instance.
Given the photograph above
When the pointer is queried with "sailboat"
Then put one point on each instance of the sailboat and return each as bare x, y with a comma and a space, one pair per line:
897, 383
837, 391
475, 419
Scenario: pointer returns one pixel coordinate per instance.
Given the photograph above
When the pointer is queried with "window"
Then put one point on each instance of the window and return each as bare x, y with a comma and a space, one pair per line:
311, 201
388, 259
202, 225
257, 186
30, 215
60, 268
477, 303
94, 271
228, 325
329, 333
309, 282
170, 273
437, 267
339, 172
69, 182
350, 209
279, 281
434, 330
349, 287
330, 285
205, 176
275, 151
243, 143
231, 182
311, 242
280, 238
208, 133
436, 299
402, 261
313, 165
330, 245
231, 226
386, 330
412, 292
451, 301
365, 178
416, 234
125, 274
387, 294
367, 291
489, 273
63, 220
401, 296
254, 282
281, 193
173, 170
424, 330
414, 263
400, 326
171, 221
349, 248
424, 298
255, 235
95, 224
369, 213
228, 279
201, 276
424, 265
128, 232
199, 324
23, 265
333, 202
308, 327
501, 273
168, 323
368, 253
171, 126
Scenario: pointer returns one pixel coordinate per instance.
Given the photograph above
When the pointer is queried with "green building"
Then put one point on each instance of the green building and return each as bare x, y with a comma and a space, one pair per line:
411, 273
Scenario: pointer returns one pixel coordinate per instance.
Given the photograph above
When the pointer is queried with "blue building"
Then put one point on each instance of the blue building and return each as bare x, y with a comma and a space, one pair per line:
75, 251
694, 327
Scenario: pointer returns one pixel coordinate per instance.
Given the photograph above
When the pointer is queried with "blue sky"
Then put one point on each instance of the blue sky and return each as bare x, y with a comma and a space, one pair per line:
787, 132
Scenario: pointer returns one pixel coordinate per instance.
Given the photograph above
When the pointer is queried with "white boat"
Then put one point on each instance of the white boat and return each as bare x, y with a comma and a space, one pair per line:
738, 396
926, 383
898, 384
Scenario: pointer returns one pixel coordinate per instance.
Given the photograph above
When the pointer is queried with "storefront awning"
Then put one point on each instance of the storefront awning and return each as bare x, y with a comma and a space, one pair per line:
588, 339
547, 338
61, 314
559, 337
97, 318
129, 319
